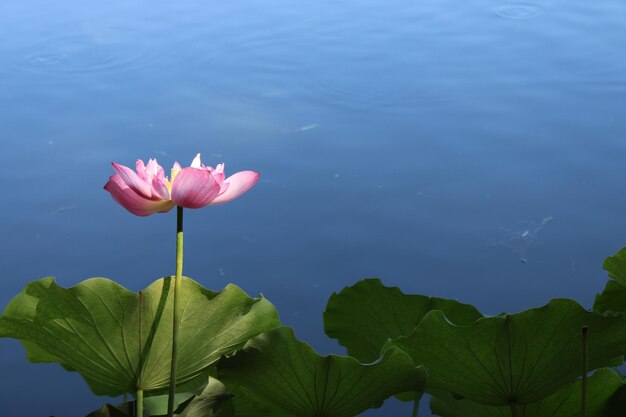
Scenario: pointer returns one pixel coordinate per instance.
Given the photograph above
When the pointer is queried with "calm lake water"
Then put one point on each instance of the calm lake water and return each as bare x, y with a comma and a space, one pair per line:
471, 150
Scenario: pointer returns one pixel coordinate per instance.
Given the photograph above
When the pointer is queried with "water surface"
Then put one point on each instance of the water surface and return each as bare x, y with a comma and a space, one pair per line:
469, 150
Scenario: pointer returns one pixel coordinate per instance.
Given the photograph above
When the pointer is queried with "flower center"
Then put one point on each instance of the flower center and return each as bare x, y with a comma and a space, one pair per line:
173, 174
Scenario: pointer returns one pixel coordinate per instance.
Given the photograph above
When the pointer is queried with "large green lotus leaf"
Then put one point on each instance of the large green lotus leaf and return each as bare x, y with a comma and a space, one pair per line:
612, 299
118, 410
212, 401
602, 393
616, 266
364, 316
119, 340
245, 406
157, 404
287, 375
517, 358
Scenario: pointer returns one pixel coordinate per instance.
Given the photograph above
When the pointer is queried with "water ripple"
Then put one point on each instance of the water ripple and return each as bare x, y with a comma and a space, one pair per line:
84, 52
517, 11
364, 73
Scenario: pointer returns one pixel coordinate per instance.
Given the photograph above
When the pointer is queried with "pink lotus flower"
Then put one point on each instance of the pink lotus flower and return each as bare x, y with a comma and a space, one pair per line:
149, 191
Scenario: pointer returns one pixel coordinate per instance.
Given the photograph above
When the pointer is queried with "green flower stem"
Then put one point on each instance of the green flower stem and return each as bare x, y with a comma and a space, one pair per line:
139, 403
177, 289
583, 382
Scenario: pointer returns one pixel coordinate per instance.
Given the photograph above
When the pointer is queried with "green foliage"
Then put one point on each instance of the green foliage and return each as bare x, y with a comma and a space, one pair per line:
613, 298
364, 316
616, 266
512, 365
604, 399
119, 340
287, 375
118, 410
212, 401
513, 359
157, 404
245, 406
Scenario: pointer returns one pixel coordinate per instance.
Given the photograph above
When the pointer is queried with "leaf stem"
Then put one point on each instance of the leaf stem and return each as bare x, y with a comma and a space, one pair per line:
583, 383
416, 404
177, 290
139, 403
513, 410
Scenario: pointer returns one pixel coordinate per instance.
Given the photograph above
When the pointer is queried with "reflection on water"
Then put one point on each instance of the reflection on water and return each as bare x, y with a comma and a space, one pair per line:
394, 139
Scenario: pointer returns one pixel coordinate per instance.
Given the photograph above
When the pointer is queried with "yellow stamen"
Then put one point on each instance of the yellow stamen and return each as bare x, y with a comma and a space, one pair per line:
173, 174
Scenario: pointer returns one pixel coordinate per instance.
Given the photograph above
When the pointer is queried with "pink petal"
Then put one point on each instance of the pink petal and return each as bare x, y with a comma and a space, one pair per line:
132, 201
223, 189
133, 180
194, 188
160, 173
196, 163
141, 170
237, 184
219, 178
159, 187
152, 168
158, 182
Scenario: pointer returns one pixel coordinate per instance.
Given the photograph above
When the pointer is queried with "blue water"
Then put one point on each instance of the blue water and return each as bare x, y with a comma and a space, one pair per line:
470, 150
